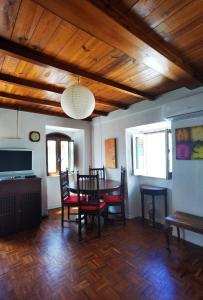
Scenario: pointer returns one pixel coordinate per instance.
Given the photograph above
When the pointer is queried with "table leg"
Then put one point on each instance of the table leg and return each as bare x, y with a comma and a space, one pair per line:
142, 203
168, 233
153, 210
166, 204
178, 233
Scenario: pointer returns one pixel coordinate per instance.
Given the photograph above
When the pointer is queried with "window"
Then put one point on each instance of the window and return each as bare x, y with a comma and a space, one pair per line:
152, 154
60, 153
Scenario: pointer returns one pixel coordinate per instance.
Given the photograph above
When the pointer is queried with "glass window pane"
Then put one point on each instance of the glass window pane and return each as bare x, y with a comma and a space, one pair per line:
51, 156
64, 155
140, 153
71, 156
156, 154
170, 151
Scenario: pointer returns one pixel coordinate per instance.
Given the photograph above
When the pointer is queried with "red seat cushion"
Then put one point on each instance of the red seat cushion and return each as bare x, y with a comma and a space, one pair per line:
93, 207
102, 195
113, 198
71, 199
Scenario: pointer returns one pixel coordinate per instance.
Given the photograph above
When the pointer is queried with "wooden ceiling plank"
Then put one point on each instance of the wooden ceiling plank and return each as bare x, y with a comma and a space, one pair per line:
16, 50
8, 14
9, 65
28, 17
161, 12
60, 38
45, 29
144, 8
125, 35
2, 58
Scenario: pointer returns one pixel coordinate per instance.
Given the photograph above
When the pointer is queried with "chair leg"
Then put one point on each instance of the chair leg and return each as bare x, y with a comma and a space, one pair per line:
123, 213
68, 212
99, 227
62, 216
107, 212
79, 227
85, 222
92, 222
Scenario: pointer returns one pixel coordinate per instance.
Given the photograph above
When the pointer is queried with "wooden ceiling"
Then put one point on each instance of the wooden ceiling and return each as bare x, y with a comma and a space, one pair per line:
124, 51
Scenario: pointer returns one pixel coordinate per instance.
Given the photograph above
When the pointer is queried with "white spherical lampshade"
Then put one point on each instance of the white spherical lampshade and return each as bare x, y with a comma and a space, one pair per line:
77, 102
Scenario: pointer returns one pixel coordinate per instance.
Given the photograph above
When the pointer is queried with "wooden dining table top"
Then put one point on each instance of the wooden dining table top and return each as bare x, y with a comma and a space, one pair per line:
105, 185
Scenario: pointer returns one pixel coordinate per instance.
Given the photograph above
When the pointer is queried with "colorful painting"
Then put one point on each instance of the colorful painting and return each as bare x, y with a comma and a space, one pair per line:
110, 153
189, 143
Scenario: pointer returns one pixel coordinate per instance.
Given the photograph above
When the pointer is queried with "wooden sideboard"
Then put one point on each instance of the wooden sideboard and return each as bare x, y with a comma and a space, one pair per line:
20, 204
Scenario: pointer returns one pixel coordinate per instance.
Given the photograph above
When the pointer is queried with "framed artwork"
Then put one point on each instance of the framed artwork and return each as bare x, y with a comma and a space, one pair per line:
189, 143
110, 153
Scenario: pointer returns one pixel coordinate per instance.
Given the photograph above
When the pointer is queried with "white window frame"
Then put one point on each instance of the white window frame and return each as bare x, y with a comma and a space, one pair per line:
58, 138
137, 170
143, 171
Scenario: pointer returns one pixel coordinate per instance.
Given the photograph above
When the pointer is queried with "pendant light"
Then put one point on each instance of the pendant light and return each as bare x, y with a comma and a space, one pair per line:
77, 101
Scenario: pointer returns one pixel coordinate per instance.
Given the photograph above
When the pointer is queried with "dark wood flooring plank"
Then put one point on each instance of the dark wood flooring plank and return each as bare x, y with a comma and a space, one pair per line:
128, 262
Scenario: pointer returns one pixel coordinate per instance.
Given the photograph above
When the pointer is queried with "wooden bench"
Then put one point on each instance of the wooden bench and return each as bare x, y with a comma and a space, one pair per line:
185, 221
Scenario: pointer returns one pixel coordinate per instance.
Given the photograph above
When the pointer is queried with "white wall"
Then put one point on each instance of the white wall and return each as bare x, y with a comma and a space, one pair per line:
187, 189
147, 112
29, 122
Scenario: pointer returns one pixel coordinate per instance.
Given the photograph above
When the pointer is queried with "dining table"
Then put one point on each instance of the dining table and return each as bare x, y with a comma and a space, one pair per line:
105, 186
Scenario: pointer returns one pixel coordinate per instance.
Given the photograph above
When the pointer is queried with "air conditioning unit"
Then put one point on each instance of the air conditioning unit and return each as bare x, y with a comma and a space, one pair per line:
184, 108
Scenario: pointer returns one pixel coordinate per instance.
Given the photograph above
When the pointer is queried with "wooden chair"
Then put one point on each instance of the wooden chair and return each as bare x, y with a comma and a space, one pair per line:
67, 200
100, 171
88, 188
118, 199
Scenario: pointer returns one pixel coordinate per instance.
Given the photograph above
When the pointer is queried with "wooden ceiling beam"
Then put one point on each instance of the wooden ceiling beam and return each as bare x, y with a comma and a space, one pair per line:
100, 112
126, 35
27, 108
29, 83
44, 102
112, 103
27, 54
51, 88
30, 99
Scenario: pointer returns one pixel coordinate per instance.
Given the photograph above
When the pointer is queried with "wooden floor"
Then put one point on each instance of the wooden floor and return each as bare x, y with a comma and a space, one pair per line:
126, 263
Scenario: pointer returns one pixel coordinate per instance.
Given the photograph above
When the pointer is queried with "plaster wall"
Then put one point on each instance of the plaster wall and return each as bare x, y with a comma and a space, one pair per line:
185, 190
13, 137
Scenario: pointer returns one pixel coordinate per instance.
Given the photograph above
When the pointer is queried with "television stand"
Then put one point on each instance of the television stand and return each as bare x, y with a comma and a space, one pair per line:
20, 204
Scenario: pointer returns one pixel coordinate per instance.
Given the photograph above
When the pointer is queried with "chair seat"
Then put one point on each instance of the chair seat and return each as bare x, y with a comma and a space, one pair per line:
73, 199
93, 207
101, 195
113, 198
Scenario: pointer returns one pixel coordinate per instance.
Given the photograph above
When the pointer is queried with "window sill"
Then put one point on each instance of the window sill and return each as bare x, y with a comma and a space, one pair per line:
52, 176
152, 177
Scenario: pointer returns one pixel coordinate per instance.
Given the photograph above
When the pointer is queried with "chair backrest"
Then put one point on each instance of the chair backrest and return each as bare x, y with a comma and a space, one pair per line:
95, 171
88, 189
122, 188
64, 182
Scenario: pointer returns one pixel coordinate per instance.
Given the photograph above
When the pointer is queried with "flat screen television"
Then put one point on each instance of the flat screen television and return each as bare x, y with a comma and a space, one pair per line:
16, 161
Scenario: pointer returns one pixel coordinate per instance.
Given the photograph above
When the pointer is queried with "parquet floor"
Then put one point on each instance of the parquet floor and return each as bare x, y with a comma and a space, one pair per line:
126, 263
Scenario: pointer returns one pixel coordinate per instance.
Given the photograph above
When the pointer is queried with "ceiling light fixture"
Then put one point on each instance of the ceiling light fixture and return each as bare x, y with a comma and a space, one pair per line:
77, 101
